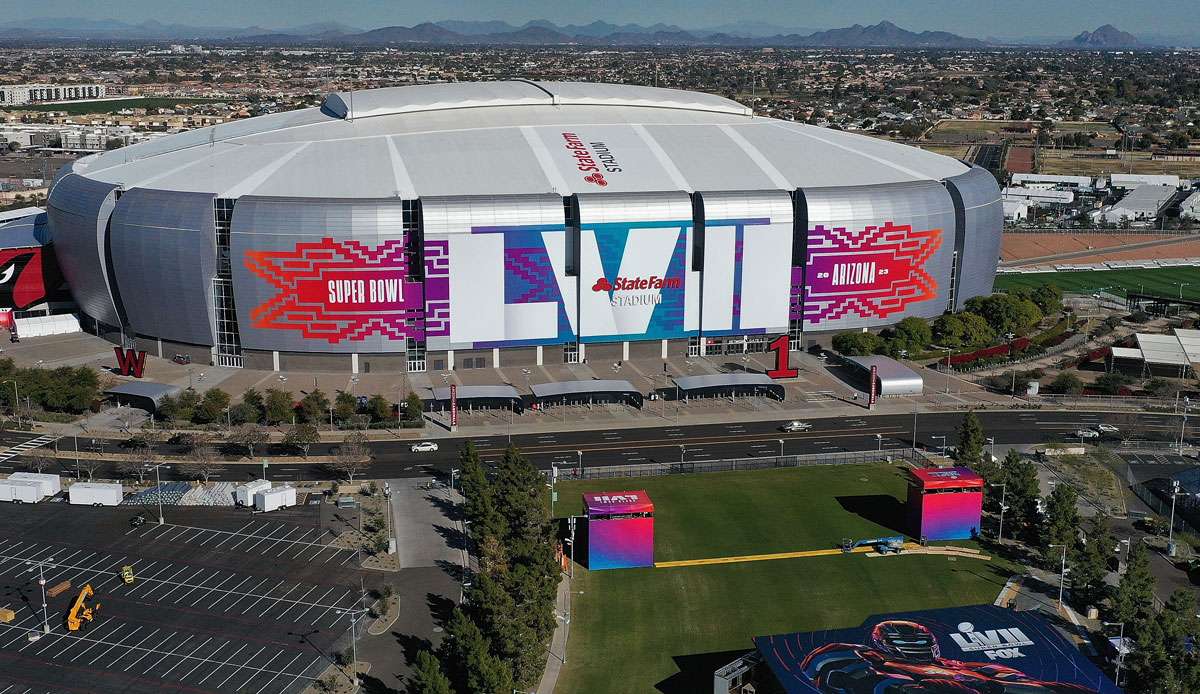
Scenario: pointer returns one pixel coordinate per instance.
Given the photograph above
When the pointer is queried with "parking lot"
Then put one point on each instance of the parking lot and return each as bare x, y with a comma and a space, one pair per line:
222, 601
1148, 466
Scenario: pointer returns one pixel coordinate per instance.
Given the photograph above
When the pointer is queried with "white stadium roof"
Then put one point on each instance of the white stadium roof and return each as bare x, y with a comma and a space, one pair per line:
507, 138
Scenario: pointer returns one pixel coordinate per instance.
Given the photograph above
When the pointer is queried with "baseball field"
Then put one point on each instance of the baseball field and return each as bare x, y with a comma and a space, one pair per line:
1160, 281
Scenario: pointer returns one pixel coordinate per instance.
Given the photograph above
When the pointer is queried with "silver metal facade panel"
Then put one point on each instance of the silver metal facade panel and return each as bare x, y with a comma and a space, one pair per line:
631, 95
877, 254
602, 208
285, 252
776, 205
458, 215
983, 217
164, 257
78, 210
546, 390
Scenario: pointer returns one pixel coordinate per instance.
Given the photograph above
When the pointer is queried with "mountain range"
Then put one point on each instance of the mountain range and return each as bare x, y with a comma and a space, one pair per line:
884, 34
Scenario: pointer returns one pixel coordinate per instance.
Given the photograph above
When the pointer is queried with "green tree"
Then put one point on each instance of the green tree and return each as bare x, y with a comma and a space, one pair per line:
1134, 599
915, 332
857, 344
1062, 518
212, 407
302, 437
1023, 492
1067, 383
970, 440
1148, 667
279, 407
345, 406
378, 408
413, 407
253, 398
250, 437
479, 503
186, 404
1112, 382
427, 676
314, 407
1089, 565
243, 413
467, 658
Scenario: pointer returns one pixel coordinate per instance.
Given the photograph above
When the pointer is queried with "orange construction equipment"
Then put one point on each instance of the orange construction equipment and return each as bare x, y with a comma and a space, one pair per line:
80, 612
58, 589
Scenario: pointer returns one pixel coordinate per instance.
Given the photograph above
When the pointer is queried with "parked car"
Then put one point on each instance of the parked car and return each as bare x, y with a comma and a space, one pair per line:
796, 425
1087, 434
1107, 429
424, 447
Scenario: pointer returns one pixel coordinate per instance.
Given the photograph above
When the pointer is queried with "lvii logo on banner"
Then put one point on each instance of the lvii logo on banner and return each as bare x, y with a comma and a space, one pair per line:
335, 290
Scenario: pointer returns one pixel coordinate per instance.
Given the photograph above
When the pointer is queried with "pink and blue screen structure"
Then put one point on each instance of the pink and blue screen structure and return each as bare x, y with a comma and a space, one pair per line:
946, 503
620, 530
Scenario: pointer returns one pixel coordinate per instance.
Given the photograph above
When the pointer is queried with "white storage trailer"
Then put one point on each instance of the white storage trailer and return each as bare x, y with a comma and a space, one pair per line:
51, 484
21, 491
95, 493
272, 499
245, 493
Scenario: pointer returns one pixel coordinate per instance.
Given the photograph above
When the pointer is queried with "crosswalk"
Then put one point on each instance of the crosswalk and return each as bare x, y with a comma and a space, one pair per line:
27, 446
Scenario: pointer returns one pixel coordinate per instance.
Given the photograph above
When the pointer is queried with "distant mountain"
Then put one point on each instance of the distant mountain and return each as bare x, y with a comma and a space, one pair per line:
473, 28
748, 29
321, 29
421, 33
1107, 36
885, 35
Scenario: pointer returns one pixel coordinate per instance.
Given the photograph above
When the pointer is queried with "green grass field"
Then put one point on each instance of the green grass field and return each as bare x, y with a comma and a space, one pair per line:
77, 108
1161, 281
638, 630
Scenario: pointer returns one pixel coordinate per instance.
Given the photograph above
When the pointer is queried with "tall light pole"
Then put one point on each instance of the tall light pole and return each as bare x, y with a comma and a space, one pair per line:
1187, 403
943, 446
158, 493
948, 371
41, 569
879, 442
1062, 573
1120, 649
353, 615
1003, 497
991, 440
580, 468
914, 438
682, 451
781, 451
1171, 527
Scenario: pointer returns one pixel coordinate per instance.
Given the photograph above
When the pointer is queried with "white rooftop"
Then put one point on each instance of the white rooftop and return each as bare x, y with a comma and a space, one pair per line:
509, 138
1162, 349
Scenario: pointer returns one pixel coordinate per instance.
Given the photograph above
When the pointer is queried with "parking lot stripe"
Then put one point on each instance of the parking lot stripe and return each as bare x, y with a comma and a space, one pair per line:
125, 653
176, 585
289, 592
228, 660
266, 537
260, 599
300, 616
174, 648
185, 658
231, 592
207, 658
251, 659
206, 589
245, 537
143, 655
284, 668
122, 642
242, 596
260, 670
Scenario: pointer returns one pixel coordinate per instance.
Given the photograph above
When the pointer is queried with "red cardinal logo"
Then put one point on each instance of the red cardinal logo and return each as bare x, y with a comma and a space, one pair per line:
602, 285
597, 178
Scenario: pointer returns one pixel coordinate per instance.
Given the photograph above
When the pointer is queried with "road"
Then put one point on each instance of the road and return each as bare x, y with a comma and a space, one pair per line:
696, 443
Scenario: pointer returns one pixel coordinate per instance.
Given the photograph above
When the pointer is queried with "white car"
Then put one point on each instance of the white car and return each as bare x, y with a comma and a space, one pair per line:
1107, 429
796, 426
1087, 434
424, 447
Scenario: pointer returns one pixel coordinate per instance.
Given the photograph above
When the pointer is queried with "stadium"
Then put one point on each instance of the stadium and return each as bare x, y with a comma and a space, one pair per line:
477, 225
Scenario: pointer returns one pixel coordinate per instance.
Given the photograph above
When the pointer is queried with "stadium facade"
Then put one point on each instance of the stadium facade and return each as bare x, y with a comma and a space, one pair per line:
473, 225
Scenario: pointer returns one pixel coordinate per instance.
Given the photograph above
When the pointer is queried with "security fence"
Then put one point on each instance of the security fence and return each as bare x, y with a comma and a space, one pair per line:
905, 456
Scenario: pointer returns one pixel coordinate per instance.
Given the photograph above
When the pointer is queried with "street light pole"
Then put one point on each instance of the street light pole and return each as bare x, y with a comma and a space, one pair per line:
158, 494
948, 371
1062, 573
781, 451
1120, 649
580, 468
16, 402
41, 567
1003, 497
879, 442
991, 440
1171, 529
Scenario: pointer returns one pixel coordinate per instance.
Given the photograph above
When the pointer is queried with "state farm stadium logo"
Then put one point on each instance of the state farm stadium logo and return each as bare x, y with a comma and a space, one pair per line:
335, 290
651, 288
594, 159
874, 272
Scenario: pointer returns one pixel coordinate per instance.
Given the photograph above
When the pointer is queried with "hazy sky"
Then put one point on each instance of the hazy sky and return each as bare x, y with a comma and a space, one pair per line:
978, 18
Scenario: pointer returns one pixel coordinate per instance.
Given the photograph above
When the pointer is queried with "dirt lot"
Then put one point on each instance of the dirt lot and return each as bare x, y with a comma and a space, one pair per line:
1024, 246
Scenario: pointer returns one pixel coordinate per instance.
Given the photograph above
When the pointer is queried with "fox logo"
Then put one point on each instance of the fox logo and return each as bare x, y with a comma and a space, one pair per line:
597, 178
602, 285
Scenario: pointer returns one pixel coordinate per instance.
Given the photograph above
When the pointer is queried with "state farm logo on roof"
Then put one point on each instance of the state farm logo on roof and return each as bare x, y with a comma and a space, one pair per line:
617, 499
594, 159
948, 474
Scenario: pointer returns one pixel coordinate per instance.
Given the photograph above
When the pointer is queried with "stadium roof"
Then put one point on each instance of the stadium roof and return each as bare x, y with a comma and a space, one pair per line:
24, 232
478, 392
510, 138
558, 388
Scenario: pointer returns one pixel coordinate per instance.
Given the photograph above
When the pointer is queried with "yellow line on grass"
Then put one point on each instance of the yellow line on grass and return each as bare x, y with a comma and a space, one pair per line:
768, 557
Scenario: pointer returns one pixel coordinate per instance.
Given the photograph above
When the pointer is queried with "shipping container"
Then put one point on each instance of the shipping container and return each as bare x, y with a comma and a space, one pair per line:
95, 493
272, 499
245, 492
20, 491
51, 484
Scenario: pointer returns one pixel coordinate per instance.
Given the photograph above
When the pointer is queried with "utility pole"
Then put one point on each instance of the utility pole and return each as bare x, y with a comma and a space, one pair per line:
1003, 497
1062, 573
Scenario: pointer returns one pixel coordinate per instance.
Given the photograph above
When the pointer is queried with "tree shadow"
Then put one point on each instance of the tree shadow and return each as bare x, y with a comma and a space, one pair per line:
411, 645
696, 671
880, 509
454, 570
373, 685
449, 509
440, 608
455, 538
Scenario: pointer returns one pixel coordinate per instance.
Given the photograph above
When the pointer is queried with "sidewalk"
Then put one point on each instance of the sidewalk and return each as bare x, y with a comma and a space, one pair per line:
556, 659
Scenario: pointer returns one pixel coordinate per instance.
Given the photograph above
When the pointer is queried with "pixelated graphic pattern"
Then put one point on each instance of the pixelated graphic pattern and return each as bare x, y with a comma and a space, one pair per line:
620, 543
300, 274
897, 255
529, 275
437, 288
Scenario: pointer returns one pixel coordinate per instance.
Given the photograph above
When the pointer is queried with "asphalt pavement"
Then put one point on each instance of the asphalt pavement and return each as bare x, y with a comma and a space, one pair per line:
670, 443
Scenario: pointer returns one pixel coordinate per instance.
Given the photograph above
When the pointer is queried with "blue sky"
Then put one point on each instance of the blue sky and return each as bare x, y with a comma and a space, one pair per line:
980, 18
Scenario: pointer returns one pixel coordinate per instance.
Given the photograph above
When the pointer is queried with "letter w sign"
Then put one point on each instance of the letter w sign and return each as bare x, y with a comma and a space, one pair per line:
130, 363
